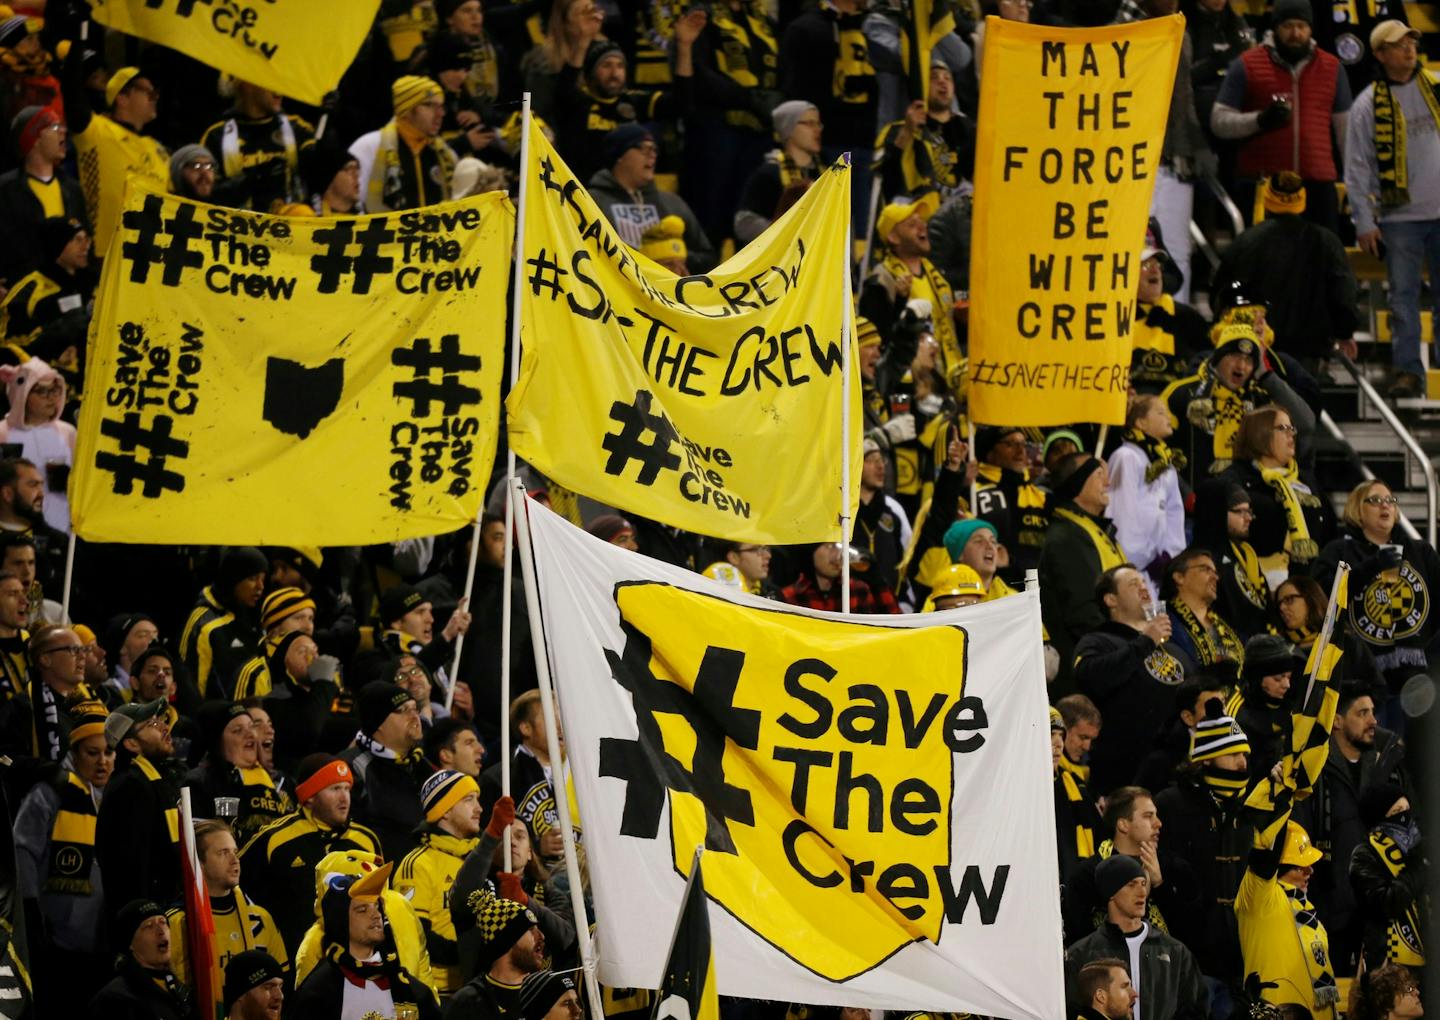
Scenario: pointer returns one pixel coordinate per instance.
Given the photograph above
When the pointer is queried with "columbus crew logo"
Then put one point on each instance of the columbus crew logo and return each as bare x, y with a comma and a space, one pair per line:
1392, 610
1165, 668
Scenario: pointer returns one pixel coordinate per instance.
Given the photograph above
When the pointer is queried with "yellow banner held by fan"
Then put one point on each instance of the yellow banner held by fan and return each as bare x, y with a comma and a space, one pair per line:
268, 380
711, 403
1072, 122
298, 48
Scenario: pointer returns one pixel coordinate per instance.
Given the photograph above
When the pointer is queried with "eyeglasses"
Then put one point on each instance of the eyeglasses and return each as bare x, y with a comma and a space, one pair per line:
753, 549
1291, 429
149, 91
1285, 600
199, 164
75, 650
412, 673
52, 390
1380, 501
155, 722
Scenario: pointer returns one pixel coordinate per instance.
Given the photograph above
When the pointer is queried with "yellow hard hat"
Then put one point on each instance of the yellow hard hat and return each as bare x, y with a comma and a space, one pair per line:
1298, 851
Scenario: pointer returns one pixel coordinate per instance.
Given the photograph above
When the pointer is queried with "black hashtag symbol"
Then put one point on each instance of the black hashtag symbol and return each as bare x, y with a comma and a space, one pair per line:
334, 263
148, 225
649, 771
157, 441
624, 446
447, 361
544, 264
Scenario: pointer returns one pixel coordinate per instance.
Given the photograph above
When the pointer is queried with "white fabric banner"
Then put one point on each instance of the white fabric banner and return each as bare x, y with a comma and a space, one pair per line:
874, 793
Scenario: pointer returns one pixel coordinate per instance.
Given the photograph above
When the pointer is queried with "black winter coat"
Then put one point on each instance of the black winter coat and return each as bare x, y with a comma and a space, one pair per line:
1169, 978
1212, 843
138, 858
1386, 897
133, 995
386, 797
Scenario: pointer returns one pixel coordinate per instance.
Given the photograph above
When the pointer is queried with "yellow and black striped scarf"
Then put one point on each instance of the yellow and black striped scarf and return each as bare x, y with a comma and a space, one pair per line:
1294, 496
1161, 456
1066, 777
1391, 142
72, 840
1225, 645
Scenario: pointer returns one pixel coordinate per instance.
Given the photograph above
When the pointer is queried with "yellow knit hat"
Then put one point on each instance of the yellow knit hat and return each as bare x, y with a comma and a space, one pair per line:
866, 333
665, 240
410, 91
1284, 193
118, 81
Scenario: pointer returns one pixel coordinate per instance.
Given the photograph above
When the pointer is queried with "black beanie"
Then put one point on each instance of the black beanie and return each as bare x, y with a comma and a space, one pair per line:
320, 163
1376, 800
448, 52
1115, 873
540, 991
1287, 10
396, 601
55, 233
128, 920
987, 437
117, 629
1067, 488
248, 970
377, 701
214, 716
236, 565
598, 51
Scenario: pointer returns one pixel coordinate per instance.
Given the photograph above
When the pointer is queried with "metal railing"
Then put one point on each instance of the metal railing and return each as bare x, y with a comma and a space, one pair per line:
1432, 490
1328, 423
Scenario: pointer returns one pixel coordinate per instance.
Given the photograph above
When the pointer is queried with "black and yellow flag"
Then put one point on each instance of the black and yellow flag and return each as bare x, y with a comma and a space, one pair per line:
298, 48
929, 22
687, 988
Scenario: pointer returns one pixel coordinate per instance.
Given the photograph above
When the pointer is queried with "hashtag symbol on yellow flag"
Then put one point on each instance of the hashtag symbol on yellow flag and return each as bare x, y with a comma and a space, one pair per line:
157, 441
626, 445
649, 771
448, 360
144, 251
333, 263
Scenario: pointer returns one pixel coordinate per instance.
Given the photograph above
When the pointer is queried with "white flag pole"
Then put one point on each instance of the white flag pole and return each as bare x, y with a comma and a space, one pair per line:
558, 785
846, 332
69, 577
507, 608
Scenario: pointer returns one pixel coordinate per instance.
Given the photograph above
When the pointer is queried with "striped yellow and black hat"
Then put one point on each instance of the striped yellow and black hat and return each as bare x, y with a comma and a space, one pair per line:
501, 922
283, 603
1216, 737
444, 790
412, 90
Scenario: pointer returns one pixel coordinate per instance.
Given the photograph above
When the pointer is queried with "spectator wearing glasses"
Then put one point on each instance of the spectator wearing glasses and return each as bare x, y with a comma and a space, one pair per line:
137, 835
388, 766
192, 172
405, 165
742, 565
58, 692
1290, 522
1393, 578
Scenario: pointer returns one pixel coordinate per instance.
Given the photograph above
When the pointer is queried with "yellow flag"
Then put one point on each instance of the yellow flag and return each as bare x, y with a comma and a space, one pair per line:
297, 48
261, 379
711, 403
1071, 126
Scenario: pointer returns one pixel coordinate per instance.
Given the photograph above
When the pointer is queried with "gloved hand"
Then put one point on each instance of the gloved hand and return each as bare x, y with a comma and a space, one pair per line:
511, 889
1389, 558
1276, 115
929, 405
325, 667
501, 816
899, 429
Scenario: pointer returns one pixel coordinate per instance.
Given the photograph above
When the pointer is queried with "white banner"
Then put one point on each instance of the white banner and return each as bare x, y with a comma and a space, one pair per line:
874, 793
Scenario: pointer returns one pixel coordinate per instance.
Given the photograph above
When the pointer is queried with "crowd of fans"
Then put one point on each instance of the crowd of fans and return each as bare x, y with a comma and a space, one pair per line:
343, 763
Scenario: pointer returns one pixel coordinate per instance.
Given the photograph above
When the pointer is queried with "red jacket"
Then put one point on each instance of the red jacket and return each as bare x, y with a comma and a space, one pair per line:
1303, 145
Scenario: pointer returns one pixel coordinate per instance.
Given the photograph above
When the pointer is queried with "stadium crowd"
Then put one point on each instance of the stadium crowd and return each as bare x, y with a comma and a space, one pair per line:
352, 819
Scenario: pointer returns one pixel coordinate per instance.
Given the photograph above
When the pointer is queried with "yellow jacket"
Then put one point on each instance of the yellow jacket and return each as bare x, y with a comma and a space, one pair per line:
1277, 947
239, 925
425, 877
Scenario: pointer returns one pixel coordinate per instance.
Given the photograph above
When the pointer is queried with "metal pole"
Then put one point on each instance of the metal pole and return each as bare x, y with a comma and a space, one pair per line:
69, 577
557, 765
846, 332
507, 609
869, 227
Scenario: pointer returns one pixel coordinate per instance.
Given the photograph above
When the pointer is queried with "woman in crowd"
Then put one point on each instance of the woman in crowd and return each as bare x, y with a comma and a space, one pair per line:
1290, 522
231, 769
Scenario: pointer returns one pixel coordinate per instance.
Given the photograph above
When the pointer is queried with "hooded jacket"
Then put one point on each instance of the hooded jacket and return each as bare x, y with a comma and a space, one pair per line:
608, 193
1241, 600
72, 922
49, 445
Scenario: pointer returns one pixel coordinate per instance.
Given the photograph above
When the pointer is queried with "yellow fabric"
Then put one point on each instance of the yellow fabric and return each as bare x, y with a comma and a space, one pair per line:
111, 158
245, 926
1403, 936
48, 193
294, 47
931, 286
1109, 551
1030, 364
424, 877
172, 815
198, 630
1298, 542
459, 790
378, 384
1275, 947
1084, 834
410, 91
748, 359
253, 680
1146, 337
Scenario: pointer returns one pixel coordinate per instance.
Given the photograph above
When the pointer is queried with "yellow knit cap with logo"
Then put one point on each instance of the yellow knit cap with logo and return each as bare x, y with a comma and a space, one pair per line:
412, 90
